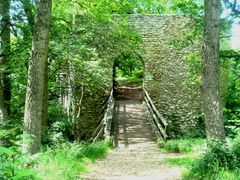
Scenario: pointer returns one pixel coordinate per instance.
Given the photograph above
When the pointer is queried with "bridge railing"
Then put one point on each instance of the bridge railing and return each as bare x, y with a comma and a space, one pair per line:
157, 121
104, 127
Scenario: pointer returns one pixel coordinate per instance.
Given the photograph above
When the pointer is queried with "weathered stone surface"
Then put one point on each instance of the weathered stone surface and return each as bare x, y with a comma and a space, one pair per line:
176, 99
166, 72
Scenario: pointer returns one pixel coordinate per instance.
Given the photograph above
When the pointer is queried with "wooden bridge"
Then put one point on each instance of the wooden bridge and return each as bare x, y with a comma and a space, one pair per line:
132, 122
135, 126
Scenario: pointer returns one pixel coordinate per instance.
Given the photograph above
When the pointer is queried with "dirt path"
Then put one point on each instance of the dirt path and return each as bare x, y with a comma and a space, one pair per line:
127, 164
136, 155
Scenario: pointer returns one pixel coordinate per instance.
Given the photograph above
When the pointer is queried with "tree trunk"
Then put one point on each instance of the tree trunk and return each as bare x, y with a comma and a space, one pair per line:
211, 72
37, 67
5, 85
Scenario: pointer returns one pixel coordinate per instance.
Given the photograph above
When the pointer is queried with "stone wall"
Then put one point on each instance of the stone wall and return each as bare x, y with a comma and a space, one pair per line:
166, 70
165, 76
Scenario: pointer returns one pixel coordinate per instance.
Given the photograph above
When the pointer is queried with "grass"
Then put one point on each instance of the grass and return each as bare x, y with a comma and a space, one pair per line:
135, 79
219, 161
129, 81
189, 146
181, 161
68, 161
182, 145
228, 175
220, 175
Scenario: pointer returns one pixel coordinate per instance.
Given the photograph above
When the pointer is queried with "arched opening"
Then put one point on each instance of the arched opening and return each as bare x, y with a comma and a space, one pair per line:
130, 123
128, 72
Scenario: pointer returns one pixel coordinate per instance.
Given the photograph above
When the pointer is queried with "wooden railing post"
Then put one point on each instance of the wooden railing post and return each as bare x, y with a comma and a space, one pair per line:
157, 121
104, 127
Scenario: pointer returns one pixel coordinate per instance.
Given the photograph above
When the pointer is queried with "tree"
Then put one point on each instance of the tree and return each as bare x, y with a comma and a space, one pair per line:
211, 72
36, 73
5, 91
28, 10
27, 6
234, 5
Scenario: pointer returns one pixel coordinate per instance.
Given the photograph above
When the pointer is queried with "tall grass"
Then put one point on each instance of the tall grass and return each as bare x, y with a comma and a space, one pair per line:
68, 161
182, 145
181, 161
220, 161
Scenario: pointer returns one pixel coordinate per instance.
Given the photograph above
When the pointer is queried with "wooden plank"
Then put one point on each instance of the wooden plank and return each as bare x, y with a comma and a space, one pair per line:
154, 128
108, 115
154, 108
164, 134
106, 101
98, 135
109, 118
98, 128
158, 135
152, 123
104, 128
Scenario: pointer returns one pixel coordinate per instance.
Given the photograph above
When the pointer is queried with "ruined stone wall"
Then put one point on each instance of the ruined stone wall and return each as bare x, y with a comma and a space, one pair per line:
165, 75
166, 70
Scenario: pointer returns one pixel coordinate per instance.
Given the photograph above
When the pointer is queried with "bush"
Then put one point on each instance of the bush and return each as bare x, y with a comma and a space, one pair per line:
14, 164
218, 158
232, 121
67, 161
59, 126
181, 161
91, 151
177, 146
236, 147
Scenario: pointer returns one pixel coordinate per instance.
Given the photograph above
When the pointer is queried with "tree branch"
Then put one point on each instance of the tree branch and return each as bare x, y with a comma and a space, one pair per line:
234, 6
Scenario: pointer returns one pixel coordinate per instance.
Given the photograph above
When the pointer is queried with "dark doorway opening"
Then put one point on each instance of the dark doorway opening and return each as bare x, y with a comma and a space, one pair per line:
128, 77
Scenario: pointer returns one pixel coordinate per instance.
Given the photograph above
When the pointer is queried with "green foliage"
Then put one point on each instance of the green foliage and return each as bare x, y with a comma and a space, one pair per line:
129, 69
152, 6
123, 79
62, 161
217, 161
181, 161
177, 146
230, 85
14, 164
232, 99
236, 147
10, 132
60, 128
85, 39
192, 132
232, 121
128, 63
221, 175
68, 160
92, 151
181, 145
194, 61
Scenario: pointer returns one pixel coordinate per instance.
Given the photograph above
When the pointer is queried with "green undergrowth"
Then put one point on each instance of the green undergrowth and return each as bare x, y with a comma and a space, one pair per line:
182, 145
129, 81
221, 174
219, 161
60, 162
181, 161
14, 163
68, 161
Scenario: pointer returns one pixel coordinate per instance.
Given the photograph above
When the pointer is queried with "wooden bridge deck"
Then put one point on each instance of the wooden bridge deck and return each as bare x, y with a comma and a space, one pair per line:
136, 155
131, 127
